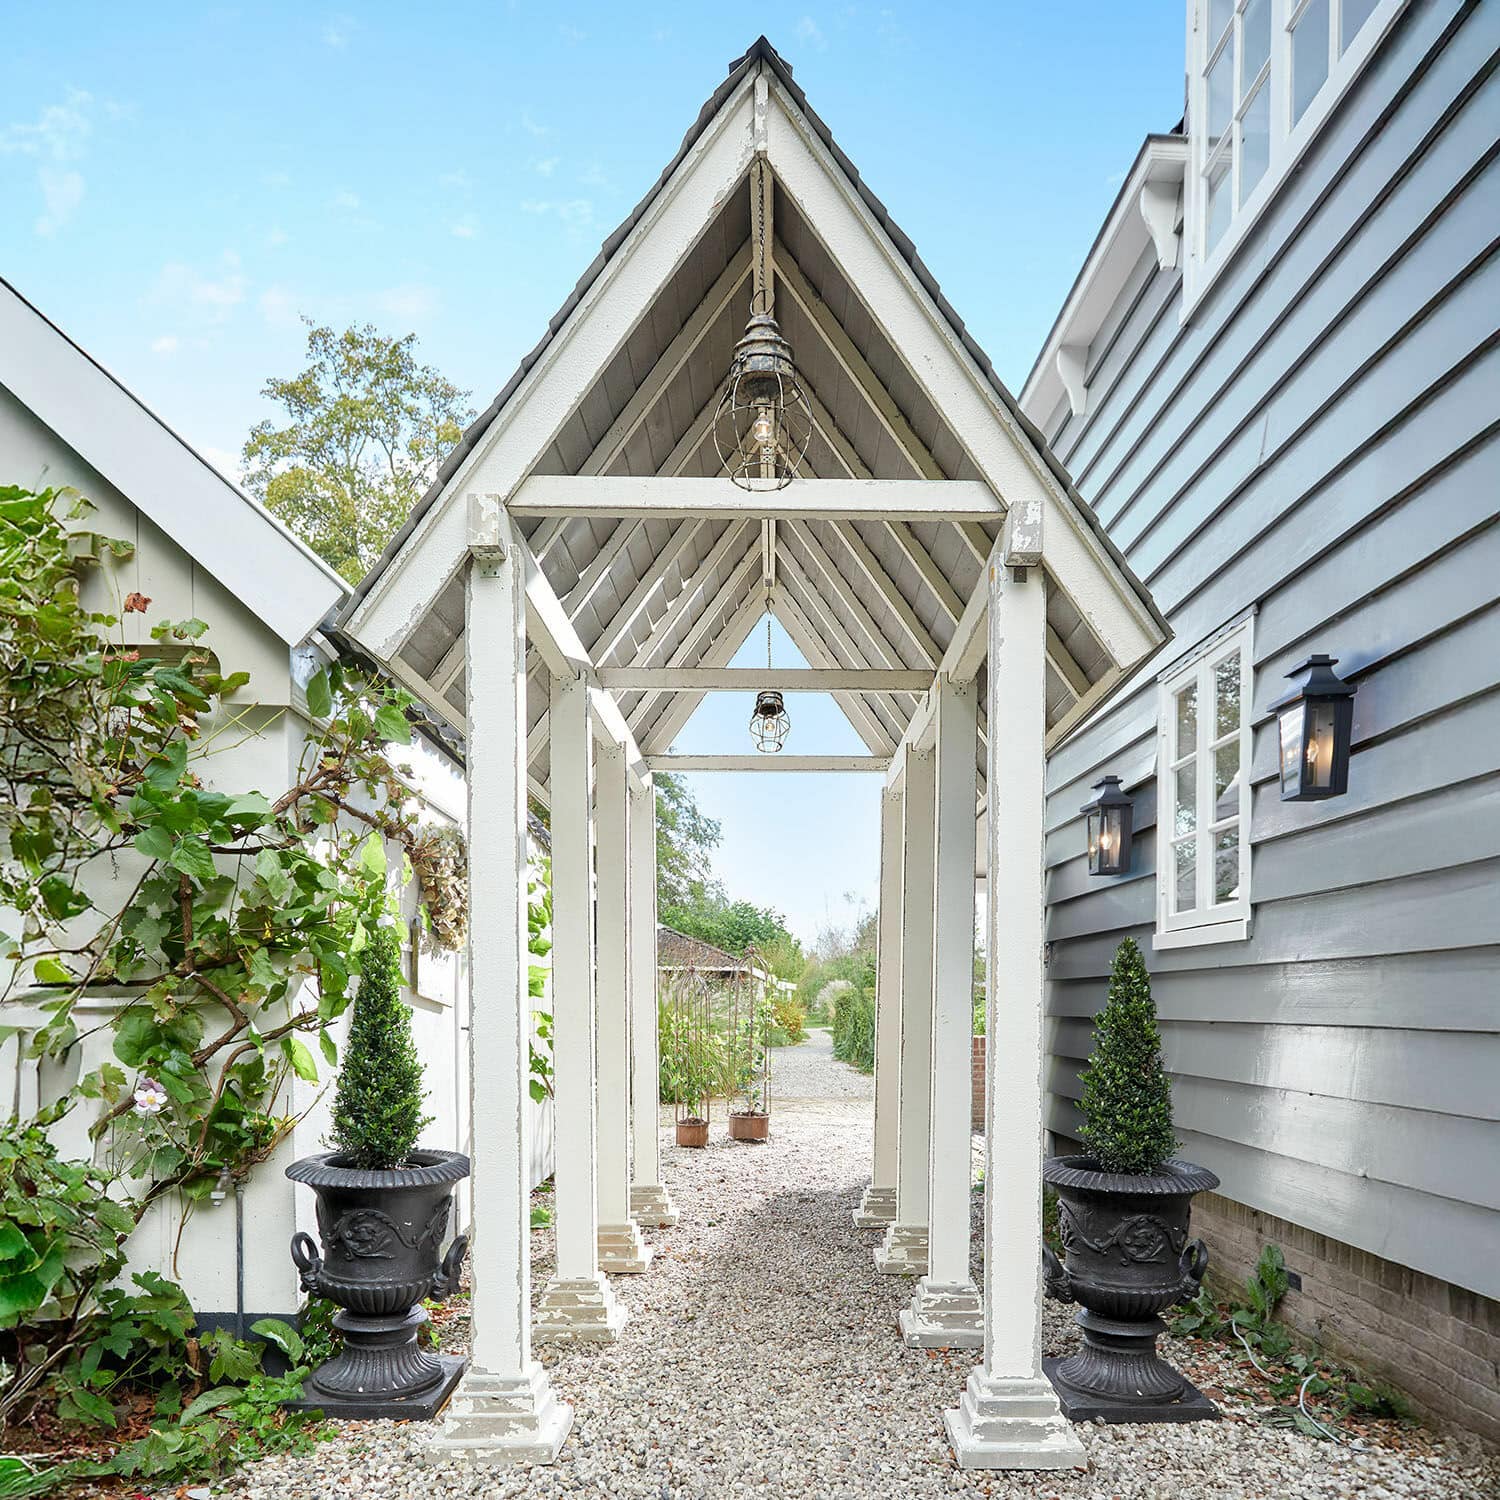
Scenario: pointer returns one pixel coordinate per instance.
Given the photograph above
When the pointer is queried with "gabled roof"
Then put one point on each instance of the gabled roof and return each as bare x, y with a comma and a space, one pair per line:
624, 383
278, 579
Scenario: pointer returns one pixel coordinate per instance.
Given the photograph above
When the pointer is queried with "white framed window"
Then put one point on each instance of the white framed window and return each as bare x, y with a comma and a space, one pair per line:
1203, 793
1263, 76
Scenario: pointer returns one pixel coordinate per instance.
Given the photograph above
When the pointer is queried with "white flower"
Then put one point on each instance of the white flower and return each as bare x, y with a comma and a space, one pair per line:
150, 1097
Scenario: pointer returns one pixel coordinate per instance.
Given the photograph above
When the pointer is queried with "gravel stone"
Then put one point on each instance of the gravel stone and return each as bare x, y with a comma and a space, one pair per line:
762, 1359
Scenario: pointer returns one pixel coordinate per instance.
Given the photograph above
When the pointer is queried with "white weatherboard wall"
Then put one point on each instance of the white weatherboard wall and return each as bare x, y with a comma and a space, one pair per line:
204, 1259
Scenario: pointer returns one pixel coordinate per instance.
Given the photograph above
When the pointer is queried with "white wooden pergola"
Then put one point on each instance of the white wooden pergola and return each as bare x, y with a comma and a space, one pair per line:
582, 574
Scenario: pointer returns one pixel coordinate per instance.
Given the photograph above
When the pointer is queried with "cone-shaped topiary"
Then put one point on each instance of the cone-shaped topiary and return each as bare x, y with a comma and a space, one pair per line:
1127, 1097
377, 1112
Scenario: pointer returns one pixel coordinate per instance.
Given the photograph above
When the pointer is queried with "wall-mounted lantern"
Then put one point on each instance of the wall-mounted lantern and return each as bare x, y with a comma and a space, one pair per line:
1316, 722
1110, 816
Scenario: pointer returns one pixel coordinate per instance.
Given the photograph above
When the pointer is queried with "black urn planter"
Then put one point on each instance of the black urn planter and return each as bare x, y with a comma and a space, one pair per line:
381, 1232
1127, 1258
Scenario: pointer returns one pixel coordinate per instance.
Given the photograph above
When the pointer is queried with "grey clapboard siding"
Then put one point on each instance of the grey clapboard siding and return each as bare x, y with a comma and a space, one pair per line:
1320, 443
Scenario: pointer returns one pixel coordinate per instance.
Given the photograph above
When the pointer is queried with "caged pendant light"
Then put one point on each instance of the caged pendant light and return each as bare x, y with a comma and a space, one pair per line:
769, 723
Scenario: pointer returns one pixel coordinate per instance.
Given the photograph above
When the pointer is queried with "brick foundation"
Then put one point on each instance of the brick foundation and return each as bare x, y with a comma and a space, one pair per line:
976, 1084
1435, 1342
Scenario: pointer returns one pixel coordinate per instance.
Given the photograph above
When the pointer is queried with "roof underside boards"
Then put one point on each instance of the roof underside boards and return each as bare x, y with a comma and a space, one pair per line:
659, 592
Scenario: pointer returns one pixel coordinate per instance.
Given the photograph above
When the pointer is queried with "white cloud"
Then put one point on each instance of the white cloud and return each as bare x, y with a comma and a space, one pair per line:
593, 176
546, 166
345, 200
576, 212
466, 228
168, 343
458, 179
337, 30
808, 30
572, 35
411, 300
531, 127
277, 238
227, 463
277, 307
205, 297
58, 137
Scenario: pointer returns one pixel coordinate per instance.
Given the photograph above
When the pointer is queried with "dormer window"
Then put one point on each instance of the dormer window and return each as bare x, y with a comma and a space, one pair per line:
1265, 75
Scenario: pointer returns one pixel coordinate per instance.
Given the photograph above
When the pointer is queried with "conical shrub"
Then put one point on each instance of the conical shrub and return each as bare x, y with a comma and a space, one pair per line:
377, 1111
1127, 1096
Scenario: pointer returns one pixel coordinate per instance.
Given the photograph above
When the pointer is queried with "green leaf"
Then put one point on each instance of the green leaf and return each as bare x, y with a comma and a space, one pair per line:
269, 867
154, 842
50, 971
193, 857
283, 1335
391, 724
319, 695
329, 1049
302, 1060
210, 1401
168, 767
372, 856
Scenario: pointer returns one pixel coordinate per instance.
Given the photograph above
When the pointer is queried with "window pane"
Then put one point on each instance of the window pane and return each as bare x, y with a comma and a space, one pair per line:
1226, 865
1216, 214
1186, 861
1185, 799
1309, 56
1220, 13
1221, 94
1353, 15
1255, 140
1255, 42
1227, 696
1227, 780
1187, 721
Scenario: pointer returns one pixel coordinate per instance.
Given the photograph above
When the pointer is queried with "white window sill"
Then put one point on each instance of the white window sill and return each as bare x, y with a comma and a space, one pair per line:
1235, 931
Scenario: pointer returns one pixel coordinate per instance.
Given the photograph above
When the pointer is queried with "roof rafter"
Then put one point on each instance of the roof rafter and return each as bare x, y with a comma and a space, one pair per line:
885, 586
661, 565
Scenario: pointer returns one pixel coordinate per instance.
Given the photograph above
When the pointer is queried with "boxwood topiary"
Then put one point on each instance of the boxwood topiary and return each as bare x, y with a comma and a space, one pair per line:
1127, 1097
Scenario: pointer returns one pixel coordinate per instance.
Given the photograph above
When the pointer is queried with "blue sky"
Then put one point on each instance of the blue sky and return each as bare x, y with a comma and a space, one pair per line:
181, 181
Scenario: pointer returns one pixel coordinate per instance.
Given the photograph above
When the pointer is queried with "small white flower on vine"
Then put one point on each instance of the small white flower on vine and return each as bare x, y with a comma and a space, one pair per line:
150, 1097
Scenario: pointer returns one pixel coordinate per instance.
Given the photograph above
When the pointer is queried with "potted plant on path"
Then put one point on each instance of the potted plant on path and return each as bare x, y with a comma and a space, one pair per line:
383, 1210
749, 1081
1123, 1217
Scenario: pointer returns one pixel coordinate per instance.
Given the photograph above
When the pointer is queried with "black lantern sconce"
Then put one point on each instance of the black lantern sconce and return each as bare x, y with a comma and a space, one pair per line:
1110, 816
1316, 723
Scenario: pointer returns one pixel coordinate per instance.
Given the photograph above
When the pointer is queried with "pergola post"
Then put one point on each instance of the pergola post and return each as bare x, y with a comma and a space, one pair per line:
578, 1302
877, 1208
504, 1410
621, 1248
903, 1252
1009, 1416
650, 1203
946, 1311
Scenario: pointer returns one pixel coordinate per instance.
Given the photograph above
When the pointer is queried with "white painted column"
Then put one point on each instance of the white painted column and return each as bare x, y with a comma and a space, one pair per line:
1009, 1416
578, 1302
903, 1252
877, 1208
945, 1311
650, 1203
621, 1247
504, 1410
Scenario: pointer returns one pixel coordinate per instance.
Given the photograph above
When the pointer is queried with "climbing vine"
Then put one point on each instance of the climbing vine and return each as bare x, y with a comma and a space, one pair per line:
224, 929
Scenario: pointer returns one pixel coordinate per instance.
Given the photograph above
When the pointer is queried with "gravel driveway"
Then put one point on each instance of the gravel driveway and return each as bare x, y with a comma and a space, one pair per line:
811, 1071
761, 1358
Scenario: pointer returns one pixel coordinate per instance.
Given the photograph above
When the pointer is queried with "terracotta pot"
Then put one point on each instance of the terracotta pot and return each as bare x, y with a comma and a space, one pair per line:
692, 1132
1127, 1259
750, 1125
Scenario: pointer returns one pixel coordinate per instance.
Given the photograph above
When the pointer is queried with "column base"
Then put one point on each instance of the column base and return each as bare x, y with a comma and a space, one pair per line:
903, 1252
582, 1309
944, 1315
622, 1250
1011, 1423
876, 1209
501, 1420
651, 1205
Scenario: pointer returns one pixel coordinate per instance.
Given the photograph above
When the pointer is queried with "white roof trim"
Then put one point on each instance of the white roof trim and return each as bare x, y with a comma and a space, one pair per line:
277, 578
1148, 210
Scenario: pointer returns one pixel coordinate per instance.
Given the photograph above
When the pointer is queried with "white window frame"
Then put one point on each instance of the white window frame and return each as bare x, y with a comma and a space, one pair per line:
1289, 139
1207, 922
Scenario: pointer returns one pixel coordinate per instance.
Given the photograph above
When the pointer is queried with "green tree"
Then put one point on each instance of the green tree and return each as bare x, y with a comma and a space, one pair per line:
1127, 1096
366, 429
377, 1112
685, 840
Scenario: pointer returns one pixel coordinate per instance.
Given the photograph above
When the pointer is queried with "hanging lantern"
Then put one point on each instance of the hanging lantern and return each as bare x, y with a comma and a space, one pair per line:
769, 723
1110, 816
763, 422
1316, 724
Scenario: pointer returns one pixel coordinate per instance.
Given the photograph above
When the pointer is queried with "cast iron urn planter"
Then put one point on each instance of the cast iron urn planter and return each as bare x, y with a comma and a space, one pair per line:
381, 1232
1126, 1259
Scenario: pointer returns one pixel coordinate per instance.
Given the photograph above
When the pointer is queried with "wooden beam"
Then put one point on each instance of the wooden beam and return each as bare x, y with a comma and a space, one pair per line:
932, 575
691, 440
751, 679
885, 586
661, 565
857, 368
1065, 664
596, 570
548, 627
781, 762
829, 499
839, 587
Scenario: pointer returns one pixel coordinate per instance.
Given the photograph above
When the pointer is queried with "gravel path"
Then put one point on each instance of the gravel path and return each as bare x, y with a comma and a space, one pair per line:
761, 1359
810, 1071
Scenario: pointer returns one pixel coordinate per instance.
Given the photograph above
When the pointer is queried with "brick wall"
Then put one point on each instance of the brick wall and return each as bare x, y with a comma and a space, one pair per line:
976, 1085
1437, 1343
